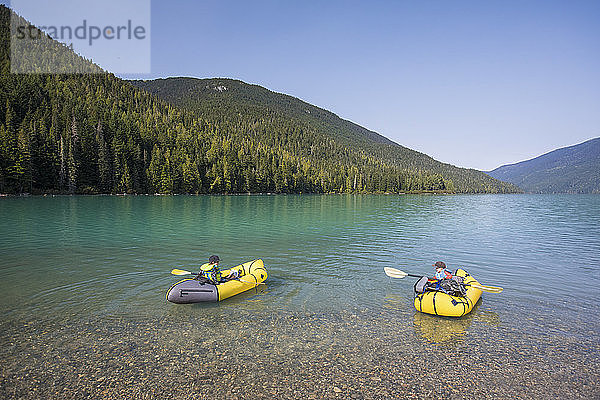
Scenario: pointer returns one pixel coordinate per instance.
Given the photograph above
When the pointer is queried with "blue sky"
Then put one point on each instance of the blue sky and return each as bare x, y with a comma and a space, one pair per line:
473, 83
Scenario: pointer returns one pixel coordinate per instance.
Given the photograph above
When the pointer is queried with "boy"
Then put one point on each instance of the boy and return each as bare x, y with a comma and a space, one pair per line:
440, 271
212, 272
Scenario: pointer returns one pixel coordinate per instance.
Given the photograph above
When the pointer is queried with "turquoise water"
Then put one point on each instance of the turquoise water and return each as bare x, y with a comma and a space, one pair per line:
76, 268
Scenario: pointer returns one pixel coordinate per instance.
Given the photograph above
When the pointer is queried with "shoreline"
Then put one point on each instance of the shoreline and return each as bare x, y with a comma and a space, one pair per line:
429, 193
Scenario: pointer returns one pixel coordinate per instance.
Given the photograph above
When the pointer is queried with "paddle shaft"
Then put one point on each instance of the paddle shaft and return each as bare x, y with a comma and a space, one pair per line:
396, 273
182, 272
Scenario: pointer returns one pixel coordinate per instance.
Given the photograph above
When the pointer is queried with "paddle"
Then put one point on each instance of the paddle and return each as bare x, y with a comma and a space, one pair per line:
183, 272
396, 273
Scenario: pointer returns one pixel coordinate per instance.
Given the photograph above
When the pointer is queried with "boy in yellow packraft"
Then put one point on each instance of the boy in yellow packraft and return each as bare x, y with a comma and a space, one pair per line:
212, 272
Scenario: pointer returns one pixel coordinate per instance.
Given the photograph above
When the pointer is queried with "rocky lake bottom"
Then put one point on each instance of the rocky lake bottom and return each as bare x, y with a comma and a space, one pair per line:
355, 354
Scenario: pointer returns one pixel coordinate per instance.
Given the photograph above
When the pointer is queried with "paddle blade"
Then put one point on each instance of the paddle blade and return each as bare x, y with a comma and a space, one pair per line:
394, 273
489, 289
180, 272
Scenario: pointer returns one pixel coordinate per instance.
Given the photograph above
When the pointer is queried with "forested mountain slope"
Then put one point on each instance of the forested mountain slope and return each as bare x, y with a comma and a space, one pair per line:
573, 169
96, 133
252, 106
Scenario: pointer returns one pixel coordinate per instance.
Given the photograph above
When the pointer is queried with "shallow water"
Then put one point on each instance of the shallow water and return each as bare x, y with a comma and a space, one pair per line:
84, 313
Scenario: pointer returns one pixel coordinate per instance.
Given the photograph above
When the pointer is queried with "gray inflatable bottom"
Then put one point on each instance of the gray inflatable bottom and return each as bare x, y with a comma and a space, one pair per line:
192, 291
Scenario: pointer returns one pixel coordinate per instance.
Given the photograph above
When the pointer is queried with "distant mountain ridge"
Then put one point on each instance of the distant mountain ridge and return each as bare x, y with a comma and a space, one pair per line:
572, 169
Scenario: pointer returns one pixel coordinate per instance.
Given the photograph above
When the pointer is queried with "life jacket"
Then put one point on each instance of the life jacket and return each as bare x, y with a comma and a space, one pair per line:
448, 275
211, 271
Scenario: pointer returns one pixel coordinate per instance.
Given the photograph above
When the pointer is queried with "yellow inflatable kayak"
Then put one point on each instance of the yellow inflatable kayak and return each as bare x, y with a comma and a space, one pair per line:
440, 303
251, 274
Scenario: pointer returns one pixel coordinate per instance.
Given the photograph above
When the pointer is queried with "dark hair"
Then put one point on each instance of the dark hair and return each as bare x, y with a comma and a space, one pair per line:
439, 264
213, 259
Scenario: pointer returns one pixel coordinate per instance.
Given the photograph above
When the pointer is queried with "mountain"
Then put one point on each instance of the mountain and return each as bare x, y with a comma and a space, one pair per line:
253, 106
573, 169
223, 96
96, 133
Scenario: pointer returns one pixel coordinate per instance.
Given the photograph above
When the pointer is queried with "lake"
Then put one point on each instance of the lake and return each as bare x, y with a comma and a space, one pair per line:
84, 311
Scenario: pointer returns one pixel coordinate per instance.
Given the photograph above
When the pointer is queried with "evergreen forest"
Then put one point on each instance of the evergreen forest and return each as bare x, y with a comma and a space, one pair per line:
93, 133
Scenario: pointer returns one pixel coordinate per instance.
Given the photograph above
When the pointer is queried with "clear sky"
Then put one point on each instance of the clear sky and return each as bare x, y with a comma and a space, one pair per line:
473, 83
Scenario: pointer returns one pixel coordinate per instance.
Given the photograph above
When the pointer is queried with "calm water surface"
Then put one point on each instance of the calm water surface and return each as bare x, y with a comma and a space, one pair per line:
84, 279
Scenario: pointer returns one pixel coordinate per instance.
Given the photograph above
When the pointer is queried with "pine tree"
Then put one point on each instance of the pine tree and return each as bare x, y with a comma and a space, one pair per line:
104, 164
72, 159
4, 157
71, 169
63, 165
